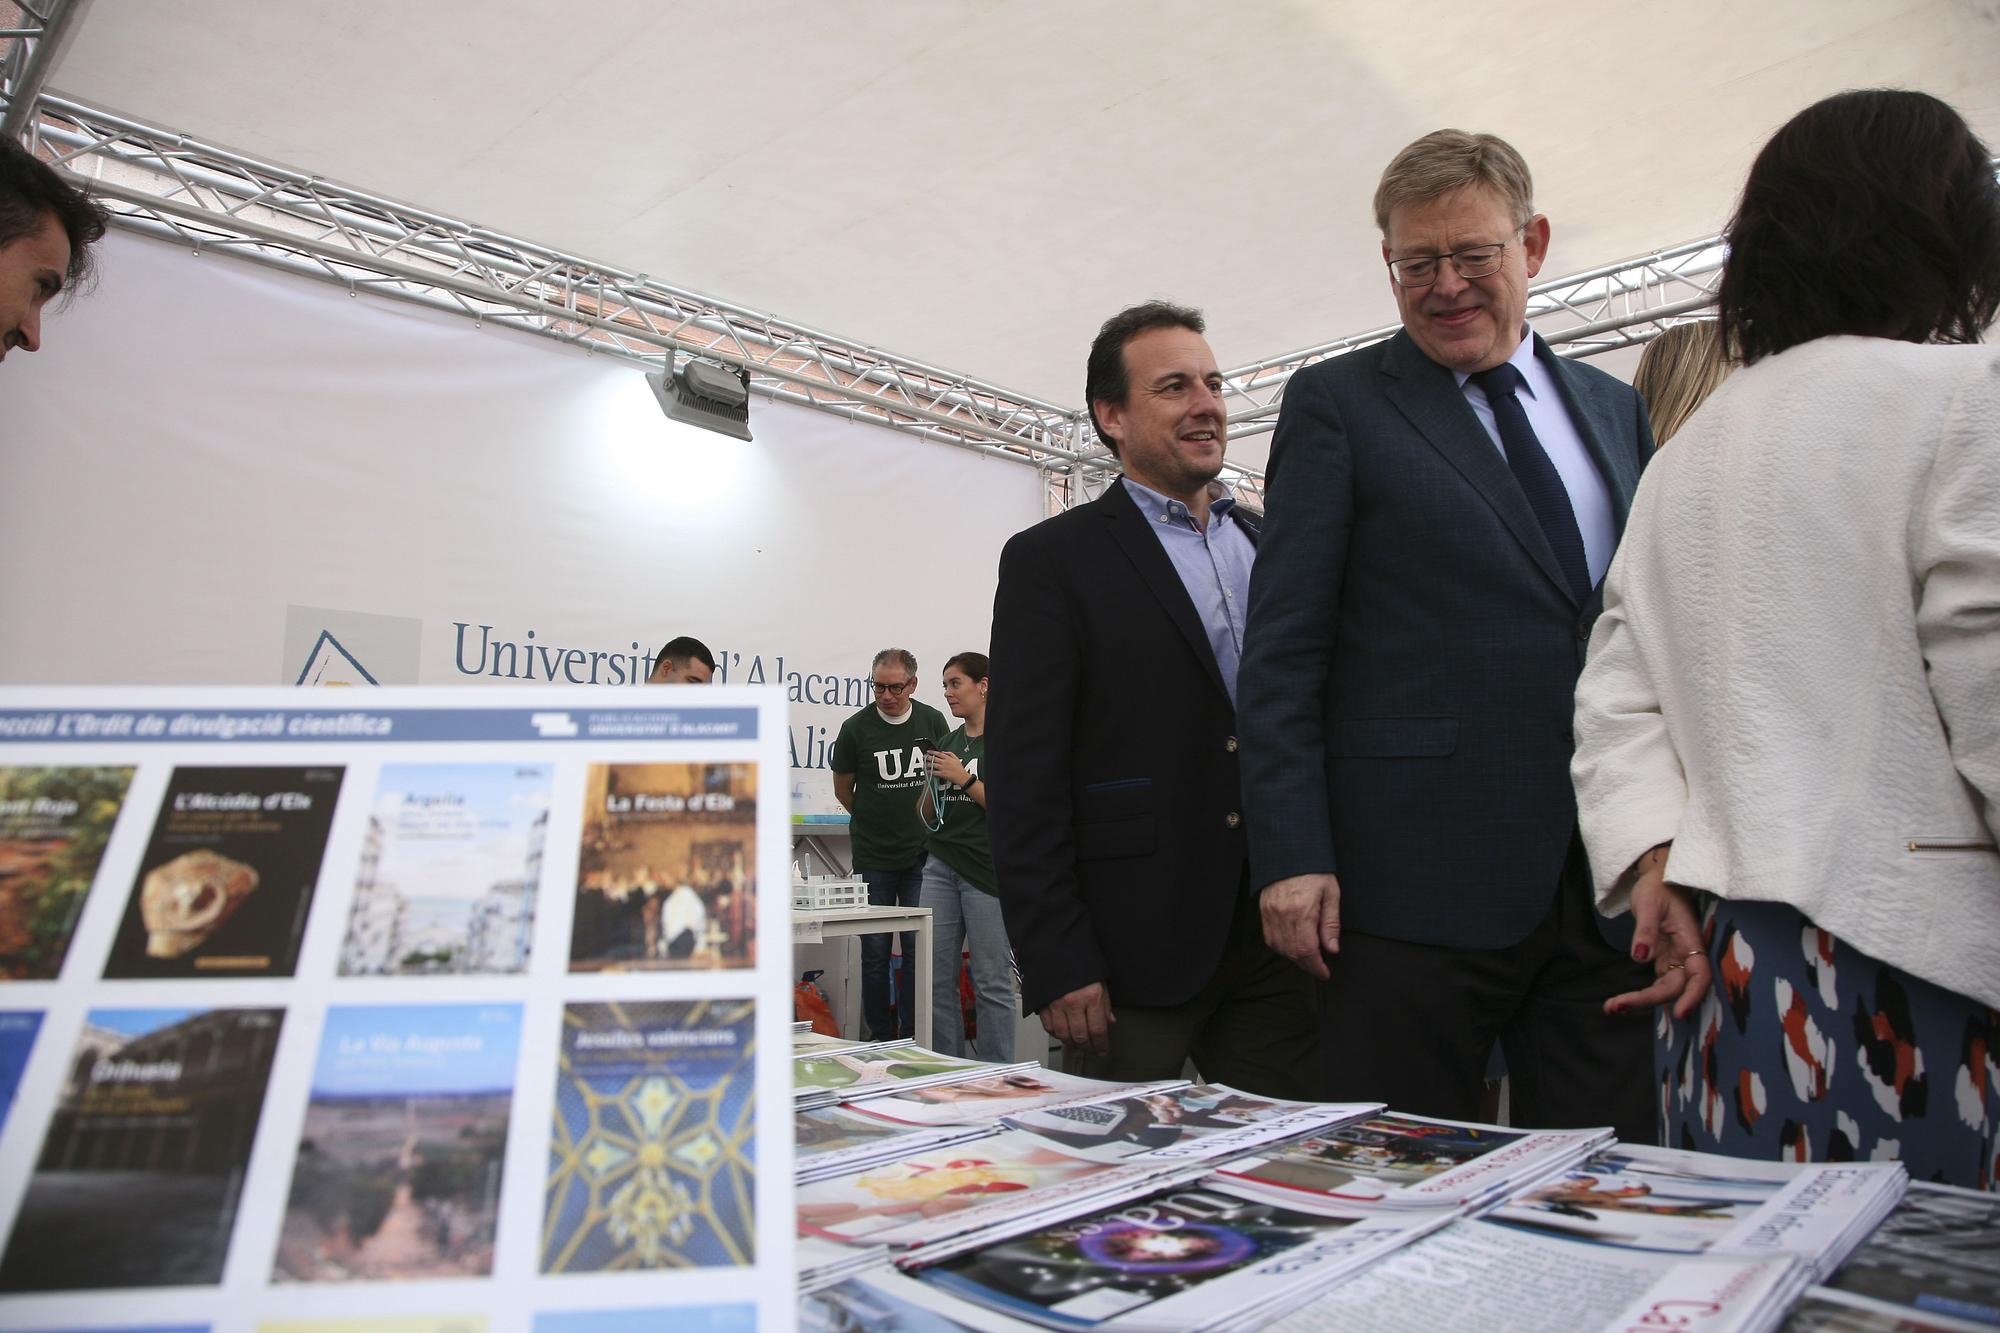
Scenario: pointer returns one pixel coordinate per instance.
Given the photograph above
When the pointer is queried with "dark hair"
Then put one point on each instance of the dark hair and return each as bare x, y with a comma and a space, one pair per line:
1873, 212
974, 665
1104, 379
683, 648
30, 191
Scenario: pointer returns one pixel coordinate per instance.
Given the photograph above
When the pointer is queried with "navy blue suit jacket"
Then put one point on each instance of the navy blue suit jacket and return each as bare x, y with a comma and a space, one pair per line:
1112, 786
1412, 650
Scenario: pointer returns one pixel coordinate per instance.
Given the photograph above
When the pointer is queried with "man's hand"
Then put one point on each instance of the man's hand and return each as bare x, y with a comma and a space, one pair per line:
1082, 1018
1669, 934
1302, 920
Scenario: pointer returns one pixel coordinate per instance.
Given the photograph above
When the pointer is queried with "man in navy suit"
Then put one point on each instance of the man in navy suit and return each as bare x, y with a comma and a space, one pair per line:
1113, 798
1443, 507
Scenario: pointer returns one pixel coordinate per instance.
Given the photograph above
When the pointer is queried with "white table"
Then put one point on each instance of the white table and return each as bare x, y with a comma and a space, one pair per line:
886, 920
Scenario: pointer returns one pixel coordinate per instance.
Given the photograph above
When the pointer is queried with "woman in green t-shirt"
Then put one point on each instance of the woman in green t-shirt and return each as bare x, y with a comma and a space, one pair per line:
959, 888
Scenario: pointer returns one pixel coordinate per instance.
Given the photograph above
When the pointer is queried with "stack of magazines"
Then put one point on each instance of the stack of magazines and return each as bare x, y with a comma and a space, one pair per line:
1934, 1263
984, 1101
1405, 1161
821, 1078
1205, 1122
835, 1140
1692, 1203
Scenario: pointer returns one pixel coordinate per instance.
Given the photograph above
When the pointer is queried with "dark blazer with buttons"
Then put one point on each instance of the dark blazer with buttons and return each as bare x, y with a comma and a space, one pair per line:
1412, 652
1111, 763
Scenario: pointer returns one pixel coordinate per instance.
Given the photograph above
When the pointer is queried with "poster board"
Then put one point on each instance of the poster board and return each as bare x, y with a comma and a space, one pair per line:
421, 1009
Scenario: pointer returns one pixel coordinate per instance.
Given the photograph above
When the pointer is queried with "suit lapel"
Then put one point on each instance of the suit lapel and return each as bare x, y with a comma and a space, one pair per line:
1428, 395
1129, 529
1598, 417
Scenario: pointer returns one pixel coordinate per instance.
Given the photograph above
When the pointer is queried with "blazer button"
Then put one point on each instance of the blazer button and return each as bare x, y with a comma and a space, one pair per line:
1230, 745
1583, 633
1232, 819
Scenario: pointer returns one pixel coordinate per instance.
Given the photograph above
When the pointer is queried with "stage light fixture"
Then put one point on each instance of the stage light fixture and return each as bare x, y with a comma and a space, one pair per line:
706, 394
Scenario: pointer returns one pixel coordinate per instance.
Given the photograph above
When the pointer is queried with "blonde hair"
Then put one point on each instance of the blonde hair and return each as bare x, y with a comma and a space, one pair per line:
1677, 372
1447, 160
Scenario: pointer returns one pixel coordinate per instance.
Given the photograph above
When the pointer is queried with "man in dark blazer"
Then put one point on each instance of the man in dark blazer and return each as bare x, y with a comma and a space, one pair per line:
1113, 799
1442, 510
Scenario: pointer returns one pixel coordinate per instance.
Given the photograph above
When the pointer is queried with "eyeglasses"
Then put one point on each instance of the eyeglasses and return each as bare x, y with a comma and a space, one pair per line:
1475, 261
884, 687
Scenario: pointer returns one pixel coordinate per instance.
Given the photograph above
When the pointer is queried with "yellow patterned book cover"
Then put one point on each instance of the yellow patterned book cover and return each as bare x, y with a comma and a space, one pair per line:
652, 1159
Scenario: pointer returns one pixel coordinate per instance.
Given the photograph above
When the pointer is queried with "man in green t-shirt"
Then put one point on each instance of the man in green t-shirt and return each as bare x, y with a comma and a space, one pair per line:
878, 767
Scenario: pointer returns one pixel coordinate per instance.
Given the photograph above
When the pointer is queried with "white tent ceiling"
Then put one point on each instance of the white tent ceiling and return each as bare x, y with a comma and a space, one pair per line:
978, 185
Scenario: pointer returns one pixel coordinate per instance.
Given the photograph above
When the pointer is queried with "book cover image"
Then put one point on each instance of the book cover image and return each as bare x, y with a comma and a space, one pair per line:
17, 1041
54, 823
1118, 1261
142, 1165
667, 874
449, 867
228, 876
399, 1164
652, 1159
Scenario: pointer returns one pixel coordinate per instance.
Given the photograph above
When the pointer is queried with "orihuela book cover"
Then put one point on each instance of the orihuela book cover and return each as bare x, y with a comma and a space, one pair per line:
54, 823
143, 1162
652, 1161
398, 1168
667, 872
449, 868
228, 876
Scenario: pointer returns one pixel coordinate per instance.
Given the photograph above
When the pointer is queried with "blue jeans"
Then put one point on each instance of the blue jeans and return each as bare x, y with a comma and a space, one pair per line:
963, 915
889, 888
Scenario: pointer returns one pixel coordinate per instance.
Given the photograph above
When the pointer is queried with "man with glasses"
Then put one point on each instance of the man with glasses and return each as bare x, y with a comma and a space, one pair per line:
878, 767
1443, 506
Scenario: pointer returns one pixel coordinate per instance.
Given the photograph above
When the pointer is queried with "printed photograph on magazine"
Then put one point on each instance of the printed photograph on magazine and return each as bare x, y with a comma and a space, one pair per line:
985, 1100
1203, 1121
1395, 1158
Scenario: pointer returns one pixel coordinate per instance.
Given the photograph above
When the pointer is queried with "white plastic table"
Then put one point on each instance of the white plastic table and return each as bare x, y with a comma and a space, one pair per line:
886, 920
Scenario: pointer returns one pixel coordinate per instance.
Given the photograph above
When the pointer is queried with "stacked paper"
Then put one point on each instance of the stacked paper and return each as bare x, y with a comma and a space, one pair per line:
877, 1070
1407, 1161
1933, 1263
1686, 1202
825, 1263
983, 1101
1198, 1256
1205, 1122
835, 1141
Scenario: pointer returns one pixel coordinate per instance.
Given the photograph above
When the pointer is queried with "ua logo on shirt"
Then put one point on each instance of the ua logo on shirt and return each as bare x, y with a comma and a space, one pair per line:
895, 765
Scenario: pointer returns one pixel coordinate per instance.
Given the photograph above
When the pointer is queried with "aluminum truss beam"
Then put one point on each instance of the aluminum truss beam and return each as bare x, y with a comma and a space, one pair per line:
36, 33
165, 184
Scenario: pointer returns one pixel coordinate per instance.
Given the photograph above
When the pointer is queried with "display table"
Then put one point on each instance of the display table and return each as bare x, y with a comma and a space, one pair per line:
877, 921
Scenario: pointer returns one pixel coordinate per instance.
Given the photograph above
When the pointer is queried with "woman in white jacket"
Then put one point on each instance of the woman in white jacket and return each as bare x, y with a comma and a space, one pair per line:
1788, 732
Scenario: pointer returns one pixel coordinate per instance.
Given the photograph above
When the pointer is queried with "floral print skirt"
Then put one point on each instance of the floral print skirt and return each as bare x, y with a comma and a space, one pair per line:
1808, 1050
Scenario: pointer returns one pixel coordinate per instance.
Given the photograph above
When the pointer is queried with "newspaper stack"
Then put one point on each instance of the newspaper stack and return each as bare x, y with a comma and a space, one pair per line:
1502, 1279
1205, 1122
825, 1263
1405, 1161
1007, 1182
1933, 1263
1197, 1256
818, 1043
877, 1070
983, 1101
1691, 1203
835, 1141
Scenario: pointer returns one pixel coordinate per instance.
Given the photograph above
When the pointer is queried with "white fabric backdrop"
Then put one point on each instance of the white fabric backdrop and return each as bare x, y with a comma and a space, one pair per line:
206, 451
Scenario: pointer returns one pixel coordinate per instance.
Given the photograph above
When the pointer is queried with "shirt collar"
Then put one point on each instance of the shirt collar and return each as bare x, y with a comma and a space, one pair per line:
1533, 377
1160, 509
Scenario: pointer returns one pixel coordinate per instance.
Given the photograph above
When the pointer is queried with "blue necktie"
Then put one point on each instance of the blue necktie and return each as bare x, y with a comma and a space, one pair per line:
1537, 476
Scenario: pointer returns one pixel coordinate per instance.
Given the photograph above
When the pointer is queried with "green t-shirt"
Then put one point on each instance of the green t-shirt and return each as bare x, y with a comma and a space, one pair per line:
961, 842
888, 768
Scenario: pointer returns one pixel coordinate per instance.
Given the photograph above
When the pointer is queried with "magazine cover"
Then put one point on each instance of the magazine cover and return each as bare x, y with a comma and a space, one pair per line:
1143, 1263
17, 1041
450, 864
982, 1101
834, 1129
652, 1160
859, 1306
680, 1318
1202, 1121
1409, 1159
1938, 1252
229, 874
1649, 1198
667, 876
875, 1068
54, 823
398, 1169
140, 1170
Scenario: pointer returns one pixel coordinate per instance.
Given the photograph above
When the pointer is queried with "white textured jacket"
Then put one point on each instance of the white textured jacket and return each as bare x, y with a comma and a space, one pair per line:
1796, 679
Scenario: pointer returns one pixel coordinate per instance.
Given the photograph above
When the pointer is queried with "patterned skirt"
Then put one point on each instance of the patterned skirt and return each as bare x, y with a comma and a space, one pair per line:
1808, 1050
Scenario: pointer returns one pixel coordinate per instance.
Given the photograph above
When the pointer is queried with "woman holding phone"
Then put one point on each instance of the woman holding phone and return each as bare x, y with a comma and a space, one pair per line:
959, 887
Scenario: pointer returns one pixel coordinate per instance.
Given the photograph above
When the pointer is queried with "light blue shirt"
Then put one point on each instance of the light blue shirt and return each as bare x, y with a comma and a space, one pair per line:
1214, 565
1589, 497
